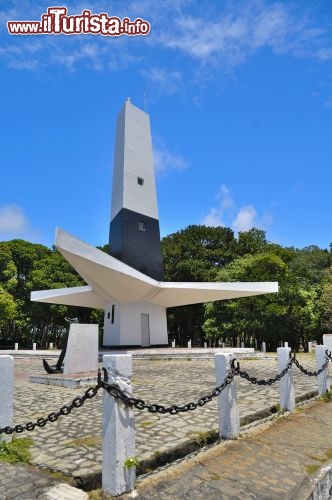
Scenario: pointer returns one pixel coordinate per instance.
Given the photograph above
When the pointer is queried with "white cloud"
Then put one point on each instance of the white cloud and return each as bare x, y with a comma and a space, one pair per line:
166, 82
226, 213
328, 104
12, 220
225, 199
224, 34
224, 209
213, 218
245, 219
232, 34
15, 224
164, 160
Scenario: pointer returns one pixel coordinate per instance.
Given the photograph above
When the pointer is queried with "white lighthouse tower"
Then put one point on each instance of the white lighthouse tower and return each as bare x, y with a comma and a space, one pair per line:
134, 228
134, 236
127, 284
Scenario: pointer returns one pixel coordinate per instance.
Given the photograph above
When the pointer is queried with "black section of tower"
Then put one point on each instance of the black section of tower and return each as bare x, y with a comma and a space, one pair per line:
135, 240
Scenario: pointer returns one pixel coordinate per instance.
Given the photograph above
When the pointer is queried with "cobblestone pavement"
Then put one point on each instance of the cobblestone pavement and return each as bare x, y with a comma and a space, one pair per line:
25, 483
276, 461
73, 443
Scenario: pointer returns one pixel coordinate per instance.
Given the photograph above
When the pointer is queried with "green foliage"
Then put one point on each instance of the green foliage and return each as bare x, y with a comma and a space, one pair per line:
327, 396
7, 306
300, 312
131, 462
250, 242
16, 451
25, 267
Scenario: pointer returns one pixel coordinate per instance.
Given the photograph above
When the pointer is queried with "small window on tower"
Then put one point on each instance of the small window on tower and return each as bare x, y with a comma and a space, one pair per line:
140, 181
113, 311
141, 226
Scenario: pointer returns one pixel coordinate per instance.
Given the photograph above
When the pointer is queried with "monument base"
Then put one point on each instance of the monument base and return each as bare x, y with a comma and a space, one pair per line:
82, 349
71, 381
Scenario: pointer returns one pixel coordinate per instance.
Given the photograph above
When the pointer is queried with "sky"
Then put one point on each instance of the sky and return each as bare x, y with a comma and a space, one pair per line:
239, 95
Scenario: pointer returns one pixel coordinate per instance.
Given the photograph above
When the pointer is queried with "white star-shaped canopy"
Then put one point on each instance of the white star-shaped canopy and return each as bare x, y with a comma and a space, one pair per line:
110, 280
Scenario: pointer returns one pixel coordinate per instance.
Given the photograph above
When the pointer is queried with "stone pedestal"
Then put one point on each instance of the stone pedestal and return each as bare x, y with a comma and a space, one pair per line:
82, 349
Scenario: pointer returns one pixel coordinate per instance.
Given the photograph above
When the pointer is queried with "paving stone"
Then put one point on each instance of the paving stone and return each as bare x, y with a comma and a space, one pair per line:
166, 382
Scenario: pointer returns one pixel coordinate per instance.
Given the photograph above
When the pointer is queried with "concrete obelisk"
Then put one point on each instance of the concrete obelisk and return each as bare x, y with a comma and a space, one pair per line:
134, 236
128, 283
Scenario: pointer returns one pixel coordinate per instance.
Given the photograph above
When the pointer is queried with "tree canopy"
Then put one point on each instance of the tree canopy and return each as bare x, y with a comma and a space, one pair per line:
25, 267
301, 311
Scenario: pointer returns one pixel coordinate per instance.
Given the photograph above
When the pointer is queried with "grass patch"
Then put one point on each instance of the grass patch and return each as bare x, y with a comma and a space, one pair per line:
96, 495
327, 396
145, 423
312, 469
204, 438
86, 441
131, 462
17, 451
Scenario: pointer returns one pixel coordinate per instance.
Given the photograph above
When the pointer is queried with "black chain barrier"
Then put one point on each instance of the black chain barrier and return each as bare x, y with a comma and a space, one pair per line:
117, 393
53, 417
328, 358
269, 381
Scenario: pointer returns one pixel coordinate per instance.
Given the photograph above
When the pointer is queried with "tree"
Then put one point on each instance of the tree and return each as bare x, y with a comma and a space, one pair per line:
246, 319
28, 266
194, 254
8, 307
251, 242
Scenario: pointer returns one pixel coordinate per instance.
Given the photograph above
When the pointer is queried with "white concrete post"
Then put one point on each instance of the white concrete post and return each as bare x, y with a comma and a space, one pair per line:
173, 343
286, 386
34, 346
309, 346
229, 420
264, 347
286, 344
6, 394
205, 345
189, 344
322, 378
51, 345
118, 429
223, 345
16, 346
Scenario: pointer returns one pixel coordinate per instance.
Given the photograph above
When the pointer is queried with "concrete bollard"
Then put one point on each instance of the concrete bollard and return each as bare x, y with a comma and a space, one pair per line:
229, 420
34, 346
205, 345
16, 346
118, 430
189, 344
6, 394
286, 386
173, 343
264, 347
322, 378
51, 345
309, 346
286, 344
